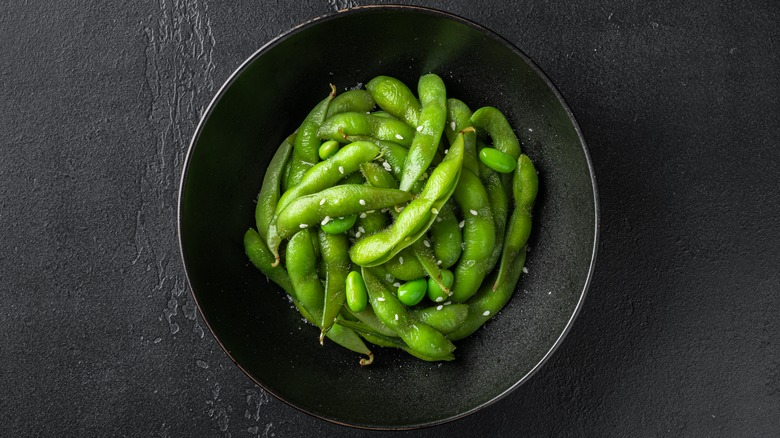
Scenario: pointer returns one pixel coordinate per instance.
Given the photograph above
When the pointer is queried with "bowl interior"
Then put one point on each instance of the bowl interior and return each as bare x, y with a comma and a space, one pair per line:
264, 101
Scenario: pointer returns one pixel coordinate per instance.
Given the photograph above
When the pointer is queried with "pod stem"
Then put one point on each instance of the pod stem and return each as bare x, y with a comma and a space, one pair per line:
369, 361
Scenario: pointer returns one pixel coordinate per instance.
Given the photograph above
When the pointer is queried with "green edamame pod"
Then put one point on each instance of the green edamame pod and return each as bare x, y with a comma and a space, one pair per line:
262, 258
368, 317
392, 342
488, 302
370, 222
424, 255
405, 266
378, 176
498, 128
416, 217
525, 186
419, 337
359, 101
307, 143
341, 126
446, 236
458, 115
335, 254
396, 98
499, 204
478, 235
433, 96
394, 155
444, 318
383, 114
303, 273
337, 201
270, 190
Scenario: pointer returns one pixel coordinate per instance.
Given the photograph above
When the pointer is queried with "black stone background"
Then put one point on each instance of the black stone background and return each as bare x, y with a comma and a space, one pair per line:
679, 103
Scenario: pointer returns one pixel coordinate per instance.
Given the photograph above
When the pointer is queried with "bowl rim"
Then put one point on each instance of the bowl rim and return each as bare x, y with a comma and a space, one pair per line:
442, 14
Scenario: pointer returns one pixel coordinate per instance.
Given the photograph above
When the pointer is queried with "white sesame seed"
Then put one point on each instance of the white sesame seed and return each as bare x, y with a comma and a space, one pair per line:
361, 229
401, 260
357, 234
474, 212
450, 293
434, 210
452, 125
396, 317
399, 136
389, 277
439, 299
380, 299
362, 202
325, 220
426, 243
322, 201
362, 215
486, 313
445, 151
525, 270
461, 224
387, 166
448, 303
439, 307
530, 130
370, 211
304, 225
396, 284
438, 262
341, 170
419, 128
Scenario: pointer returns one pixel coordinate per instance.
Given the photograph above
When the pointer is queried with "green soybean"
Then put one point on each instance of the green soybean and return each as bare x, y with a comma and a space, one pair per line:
497, 160
328, 149
412, 292
340, 224
357, 297
435, 292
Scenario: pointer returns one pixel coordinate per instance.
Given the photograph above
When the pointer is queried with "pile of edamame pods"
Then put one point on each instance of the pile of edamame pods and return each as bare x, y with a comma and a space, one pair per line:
404, 225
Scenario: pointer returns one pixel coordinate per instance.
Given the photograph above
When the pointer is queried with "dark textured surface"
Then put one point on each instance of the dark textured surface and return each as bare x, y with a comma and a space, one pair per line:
679, 335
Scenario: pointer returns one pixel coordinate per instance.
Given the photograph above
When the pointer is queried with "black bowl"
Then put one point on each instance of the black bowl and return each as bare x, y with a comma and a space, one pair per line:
265, 100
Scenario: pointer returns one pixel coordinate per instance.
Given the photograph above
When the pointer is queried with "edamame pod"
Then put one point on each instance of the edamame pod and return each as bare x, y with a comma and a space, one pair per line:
498, 128
396, 98
270, 190
359, 101
343, 125
307, 143
335, 253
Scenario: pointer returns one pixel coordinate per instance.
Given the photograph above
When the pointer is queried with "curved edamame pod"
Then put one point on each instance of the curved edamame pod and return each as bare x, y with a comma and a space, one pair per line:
396, 98
307, 143
270, 190
498, 128
359, 101
343, 125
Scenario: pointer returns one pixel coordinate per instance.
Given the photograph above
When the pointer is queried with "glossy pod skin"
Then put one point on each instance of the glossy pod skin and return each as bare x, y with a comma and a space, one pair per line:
259, 255
356, 295
395, 98
343, 125
338, 201
334, 249
492, 121
416, 217
328, 149
307, 143
499, 204
479, 235
338, 224
358, 101
525, 187
430, 125
270, 190
446, 236
419, 337
444, 318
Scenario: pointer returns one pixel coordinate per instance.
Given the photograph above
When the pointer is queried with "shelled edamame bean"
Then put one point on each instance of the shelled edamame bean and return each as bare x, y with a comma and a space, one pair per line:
382, 234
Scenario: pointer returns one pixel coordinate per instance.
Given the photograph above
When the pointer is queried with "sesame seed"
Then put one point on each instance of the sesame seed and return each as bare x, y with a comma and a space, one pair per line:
380, 299
396, 284
357, 234
399, 136
445, 151
419, 128
438, 262
387, 166
525, 270
461, 224
486, 313
439, 299
341, 170
474, 212
362, 215
361, 229
362, 202
304, 225
401, 260
448, 303
322, 201
426, 243
434, 210
439, 307
370, 211
396, 317
438, 219
452, 125
325, 220
450, 293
